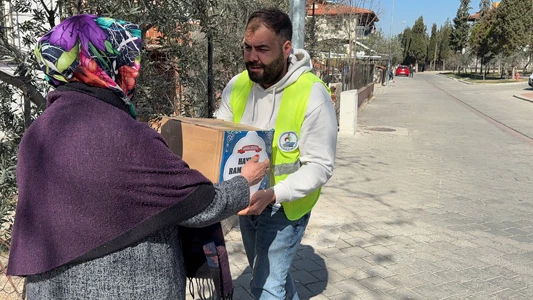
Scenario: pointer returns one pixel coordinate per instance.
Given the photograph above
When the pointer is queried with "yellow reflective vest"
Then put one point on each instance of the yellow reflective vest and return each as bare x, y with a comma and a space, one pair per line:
285, 150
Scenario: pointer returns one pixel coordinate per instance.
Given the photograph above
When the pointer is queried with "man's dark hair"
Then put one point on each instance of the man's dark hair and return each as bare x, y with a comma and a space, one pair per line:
274, 19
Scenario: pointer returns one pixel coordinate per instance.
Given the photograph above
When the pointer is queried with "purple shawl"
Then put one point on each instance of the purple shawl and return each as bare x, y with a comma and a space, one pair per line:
91, 181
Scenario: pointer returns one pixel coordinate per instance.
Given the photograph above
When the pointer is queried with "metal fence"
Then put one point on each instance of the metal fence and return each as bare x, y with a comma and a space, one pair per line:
343, 75
352, 74
11, 287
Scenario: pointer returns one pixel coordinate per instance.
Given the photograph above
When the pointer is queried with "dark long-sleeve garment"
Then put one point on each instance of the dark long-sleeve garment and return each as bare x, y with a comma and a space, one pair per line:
149, 269
94, 183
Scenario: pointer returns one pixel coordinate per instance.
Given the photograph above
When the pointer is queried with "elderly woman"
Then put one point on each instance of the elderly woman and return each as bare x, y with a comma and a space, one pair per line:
101, 196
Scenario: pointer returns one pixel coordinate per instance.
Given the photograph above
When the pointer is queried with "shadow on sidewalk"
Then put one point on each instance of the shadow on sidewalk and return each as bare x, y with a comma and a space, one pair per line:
308, 271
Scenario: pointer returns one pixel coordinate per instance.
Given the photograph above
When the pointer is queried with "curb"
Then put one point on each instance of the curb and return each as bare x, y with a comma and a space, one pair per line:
455, 79
482, 83
447, 77
465, 82
523, 98
506, 83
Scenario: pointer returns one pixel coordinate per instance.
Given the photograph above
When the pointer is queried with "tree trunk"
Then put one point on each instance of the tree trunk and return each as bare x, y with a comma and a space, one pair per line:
27, 112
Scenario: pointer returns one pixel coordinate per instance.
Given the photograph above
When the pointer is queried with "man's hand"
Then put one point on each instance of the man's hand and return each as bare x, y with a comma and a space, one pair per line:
258, 202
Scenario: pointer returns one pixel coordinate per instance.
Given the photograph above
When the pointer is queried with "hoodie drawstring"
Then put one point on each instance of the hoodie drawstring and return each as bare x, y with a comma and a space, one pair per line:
273, 108
254, 107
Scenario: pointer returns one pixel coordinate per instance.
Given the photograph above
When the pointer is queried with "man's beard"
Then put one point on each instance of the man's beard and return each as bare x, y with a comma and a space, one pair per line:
271, 72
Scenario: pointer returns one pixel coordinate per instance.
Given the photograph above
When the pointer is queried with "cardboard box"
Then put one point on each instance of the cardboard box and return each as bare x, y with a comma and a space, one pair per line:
216, 148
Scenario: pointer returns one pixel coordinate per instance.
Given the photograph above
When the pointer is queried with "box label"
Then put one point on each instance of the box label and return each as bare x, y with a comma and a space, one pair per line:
239, 147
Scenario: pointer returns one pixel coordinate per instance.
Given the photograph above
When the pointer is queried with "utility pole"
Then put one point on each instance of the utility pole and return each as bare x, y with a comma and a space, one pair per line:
297, 14
210, 75
389, 69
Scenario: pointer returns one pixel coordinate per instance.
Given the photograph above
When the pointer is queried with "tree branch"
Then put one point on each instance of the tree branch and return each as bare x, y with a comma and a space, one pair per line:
45, 7
27, 88
12, 50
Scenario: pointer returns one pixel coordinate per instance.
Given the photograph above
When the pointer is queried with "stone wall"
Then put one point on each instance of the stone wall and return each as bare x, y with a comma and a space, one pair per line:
365, 94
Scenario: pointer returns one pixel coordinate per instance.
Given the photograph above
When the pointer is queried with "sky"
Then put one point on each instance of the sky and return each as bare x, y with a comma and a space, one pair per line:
406, 12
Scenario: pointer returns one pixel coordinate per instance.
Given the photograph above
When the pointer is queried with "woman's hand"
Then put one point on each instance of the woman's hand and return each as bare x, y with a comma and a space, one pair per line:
254, 171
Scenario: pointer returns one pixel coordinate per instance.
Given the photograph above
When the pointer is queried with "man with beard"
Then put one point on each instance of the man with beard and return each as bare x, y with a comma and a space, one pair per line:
278, 91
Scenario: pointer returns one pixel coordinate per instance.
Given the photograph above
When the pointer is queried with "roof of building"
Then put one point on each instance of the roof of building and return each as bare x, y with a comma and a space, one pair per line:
478, 14
324, 8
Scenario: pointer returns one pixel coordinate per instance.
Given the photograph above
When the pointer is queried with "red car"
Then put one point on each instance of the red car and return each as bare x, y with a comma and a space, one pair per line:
402, 70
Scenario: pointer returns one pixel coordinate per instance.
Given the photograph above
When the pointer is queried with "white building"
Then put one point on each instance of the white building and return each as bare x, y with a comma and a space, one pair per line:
339, 26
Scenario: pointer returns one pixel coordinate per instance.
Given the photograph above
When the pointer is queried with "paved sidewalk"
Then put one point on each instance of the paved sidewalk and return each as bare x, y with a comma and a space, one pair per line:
429, 200
525, 96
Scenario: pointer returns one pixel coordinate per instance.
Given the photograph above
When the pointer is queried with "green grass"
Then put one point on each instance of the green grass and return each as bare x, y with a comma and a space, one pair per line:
476, 78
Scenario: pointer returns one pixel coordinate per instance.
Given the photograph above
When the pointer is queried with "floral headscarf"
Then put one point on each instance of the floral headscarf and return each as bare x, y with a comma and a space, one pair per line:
97, 51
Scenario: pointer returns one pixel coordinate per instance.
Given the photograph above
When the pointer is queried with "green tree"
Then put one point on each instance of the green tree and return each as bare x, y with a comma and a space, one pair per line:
484, 7
406, 40
384, 46
482, 40
417, 52
513, 23
21, 100
396, 51
461, 28
11, 130
530, 53
378, 42
433, 46
512, 30
445, 47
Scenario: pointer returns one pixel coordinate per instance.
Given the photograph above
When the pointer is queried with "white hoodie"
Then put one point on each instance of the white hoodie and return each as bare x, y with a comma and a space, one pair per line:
318, 135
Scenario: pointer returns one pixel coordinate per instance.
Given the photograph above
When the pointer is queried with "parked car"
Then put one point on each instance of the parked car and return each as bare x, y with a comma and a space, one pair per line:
402, 70
531, 80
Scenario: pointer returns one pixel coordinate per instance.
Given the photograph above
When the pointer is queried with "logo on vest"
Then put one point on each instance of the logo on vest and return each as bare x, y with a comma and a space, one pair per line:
288, 141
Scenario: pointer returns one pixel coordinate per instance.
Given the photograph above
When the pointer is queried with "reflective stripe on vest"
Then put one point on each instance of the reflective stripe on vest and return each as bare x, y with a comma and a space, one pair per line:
290, 118
282, 169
